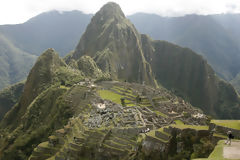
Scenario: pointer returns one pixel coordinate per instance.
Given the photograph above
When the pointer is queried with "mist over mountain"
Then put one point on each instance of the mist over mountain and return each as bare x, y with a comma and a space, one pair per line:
209, 36
54, 29
14, 63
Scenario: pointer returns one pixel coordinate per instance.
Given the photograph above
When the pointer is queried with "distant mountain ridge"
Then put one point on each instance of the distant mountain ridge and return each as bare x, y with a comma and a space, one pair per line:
48, 30
97, 86
206, 35
216, 37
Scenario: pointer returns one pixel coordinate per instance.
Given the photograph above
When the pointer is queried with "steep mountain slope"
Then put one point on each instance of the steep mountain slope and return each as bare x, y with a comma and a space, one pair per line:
204, 34
9, 97
14, 63
41, 108
115, 44
215, 36
59, 30
68, 111
120, 50
191, 77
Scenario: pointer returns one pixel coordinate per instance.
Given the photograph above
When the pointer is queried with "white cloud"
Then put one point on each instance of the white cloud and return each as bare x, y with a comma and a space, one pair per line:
18, 11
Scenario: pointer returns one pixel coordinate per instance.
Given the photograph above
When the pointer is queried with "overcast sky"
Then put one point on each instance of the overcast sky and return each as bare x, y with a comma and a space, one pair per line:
18, 11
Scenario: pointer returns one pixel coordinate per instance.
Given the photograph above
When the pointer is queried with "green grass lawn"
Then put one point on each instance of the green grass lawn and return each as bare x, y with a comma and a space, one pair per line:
44, 145
183, 126
234, 124
219, 135
152, 134
179, 122
64, 87
217, 152
161, 130
161, 114
109, 95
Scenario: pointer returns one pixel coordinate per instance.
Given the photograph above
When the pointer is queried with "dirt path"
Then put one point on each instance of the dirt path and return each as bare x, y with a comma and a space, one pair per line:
232, 151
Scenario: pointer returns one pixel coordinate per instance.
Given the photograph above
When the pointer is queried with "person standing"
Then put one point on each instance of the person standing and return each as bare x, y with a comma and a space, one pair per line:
230, 137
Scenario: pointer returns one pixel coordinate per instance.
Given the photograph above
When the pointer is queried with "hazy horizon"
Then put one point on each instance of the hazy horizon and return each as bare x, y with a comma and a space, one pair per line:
26, 9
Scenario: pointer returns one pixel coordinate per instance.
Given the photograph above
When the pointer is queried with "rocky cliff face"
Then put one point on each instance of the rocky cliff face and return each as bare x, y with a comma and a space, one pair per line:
191, 77
115, 44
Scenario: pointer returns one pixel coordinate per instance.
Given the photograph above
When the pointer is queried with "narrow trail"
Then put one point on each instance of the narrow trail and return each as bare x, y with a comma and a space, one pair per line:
232, 151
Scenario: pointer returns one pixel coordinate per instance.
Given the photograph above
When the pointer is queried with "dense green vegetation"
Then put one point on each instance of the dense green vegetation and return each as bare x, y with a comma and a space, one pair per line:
217, 153
41, 109
9, 97
113, 42
60, 94
190, 144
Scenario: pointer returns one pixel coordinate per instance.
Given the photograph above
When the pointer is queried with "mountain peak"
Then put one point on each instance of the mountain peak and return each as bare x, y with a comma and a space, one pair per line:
110, 10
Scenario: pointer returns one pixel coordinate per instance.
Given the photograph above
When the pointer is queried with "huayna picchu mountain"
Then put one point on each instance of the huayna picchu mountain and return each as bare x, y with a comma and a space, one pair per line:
114, 43
107, 100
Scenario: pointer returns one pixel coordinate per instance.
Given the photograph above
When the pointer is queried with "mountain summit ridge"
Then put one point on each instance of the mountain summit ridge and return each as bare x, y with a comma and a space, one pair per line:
109, 32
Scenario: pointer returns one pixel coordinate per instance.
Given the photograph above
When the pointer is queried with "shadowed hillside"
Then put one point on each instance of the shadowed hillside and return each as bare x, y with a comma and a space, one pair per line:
213, 36
14, 63
9, 97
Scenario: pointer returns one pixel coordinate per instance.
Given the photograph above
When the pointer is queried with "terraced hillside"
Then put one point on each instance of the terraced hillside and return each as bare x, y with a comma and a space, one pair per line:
112, 125
80, 108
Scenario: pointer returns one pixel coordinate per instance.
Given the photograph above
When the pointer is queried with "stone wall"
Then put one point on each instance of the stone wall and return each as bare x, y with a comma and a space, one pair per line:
224, 130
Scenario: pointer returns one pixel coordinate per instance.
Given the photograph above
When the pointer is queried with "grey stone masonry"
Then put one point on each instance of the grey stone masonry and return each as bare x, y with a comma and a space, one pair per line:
224, 130
161, 135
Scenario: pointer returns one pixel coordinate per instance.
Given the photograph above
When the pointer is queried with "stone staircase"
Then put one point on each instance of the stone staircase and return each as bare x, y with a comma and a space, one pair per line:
120, 145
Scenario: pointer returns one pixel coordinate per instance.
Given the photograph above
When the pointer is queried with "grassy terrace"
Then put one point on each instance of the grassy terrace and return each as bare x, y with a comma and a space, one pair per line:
44, 145
217, 153
116, 98
161, 114
64, 87
219, 135
234, 124
183, 126
152, 134
126, 92
179, 122
160, 98
161, 130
